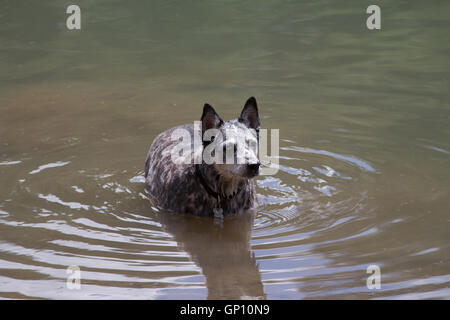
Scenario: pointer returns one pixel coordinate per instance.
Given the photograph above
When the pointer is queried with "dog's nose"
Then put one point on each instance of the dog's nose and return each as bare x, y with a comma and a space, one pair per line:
254, 166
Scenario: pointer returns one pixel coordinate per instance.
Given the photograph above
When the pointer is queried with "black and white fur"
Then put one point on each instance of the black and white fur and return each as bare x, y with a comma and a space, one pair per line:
206, 189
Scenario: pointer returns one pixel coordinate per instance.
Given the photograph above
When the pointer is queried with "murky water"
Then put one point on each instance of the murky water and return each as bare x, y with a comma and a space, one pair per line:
364, 123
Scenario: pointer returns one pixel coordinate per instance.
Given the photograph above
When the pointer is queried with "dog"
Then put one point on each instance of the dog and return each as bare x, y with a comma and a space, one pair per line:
208, 186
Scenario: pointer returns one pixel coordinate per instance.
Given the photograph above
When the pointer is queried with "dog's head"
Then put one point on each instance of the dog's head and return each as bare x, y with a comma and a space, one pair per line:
232, 146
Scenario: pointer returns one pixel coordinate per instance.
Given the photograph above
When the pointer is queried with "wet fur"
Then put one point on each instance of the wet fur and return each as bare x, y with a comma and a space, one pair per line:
178, 188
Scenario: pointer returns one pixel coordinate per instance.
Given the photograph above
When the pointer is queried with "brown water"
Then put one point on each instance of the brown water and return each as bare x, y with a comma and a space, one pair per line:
364, 123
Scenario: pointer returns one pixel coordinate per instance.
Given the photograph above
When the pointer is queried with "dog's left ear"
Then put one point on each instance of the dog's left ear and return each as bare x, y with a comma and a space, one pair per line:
249, 115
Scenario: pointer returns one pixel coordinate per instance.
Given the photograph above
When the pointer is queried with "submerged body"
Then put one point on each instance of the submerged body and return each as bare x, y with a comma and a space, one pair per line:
200, 188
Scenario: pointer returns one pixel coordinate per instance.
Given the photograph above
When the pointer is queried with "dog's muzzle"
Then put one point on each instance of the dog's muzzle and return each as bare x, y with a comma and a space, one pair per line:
253, 169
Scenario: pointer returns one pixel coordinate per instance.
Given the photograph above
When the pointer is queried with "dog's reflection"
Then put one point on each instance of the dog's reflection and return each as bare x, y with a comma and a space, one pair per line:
222, 249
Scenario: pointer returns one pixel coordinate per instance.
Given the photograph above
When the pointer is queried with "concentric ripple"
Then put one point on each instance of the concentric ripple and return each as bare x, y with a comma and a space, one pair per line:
307, 238
103, 222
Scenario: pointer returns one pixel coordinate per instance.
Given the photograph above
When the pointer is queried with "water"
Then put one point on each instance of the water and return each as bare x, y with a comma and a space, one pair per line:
364, 127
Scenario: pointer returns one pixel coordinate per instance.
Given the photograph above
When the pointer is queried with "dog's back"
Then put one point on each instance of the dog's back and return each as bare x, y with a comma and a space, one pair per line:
170, 183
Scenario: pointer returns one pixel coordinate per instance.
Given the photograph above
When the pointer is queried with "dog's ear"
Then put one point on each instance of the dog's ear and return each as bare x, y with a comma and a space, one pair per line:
210, 119
249, 115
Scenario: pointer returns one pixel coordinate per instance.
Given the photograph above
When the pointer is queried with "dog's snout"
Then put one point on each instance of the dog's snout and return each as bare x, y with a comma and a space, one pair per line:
254, 168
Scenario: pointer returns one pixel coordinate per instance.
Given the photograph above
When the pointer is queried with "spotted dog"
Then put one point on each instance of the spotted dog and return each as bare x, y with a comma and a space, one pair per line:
208, 186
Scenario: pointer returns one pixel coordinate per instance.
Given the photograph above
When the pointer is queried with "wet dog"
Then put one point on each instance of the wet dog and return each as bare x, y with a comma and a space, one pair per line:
214, 176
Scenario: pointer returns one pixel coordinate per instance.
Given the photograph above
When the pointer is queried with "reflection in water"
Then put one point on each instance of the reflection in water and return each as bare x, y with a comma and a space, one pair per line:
221, 248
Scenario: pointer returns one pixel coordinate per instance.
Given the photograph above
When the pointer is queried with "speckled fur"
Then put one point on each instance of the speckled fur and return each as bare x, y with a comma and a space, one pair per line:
178, 187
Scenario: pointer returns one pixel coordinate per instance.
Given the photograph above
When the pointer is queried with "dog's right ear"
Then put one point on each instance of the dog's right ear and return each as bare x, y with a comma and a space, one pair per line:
210, 119
249, 115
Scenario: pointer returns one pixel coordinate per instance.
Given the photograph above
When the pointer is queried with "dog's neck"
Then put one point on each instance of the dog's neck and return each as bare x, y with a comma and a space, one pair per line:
225, 187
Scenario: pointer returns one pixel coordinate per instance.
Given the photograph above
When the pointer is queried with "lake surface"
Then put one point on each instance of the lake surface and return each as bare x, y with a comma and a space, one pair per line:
364, 121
